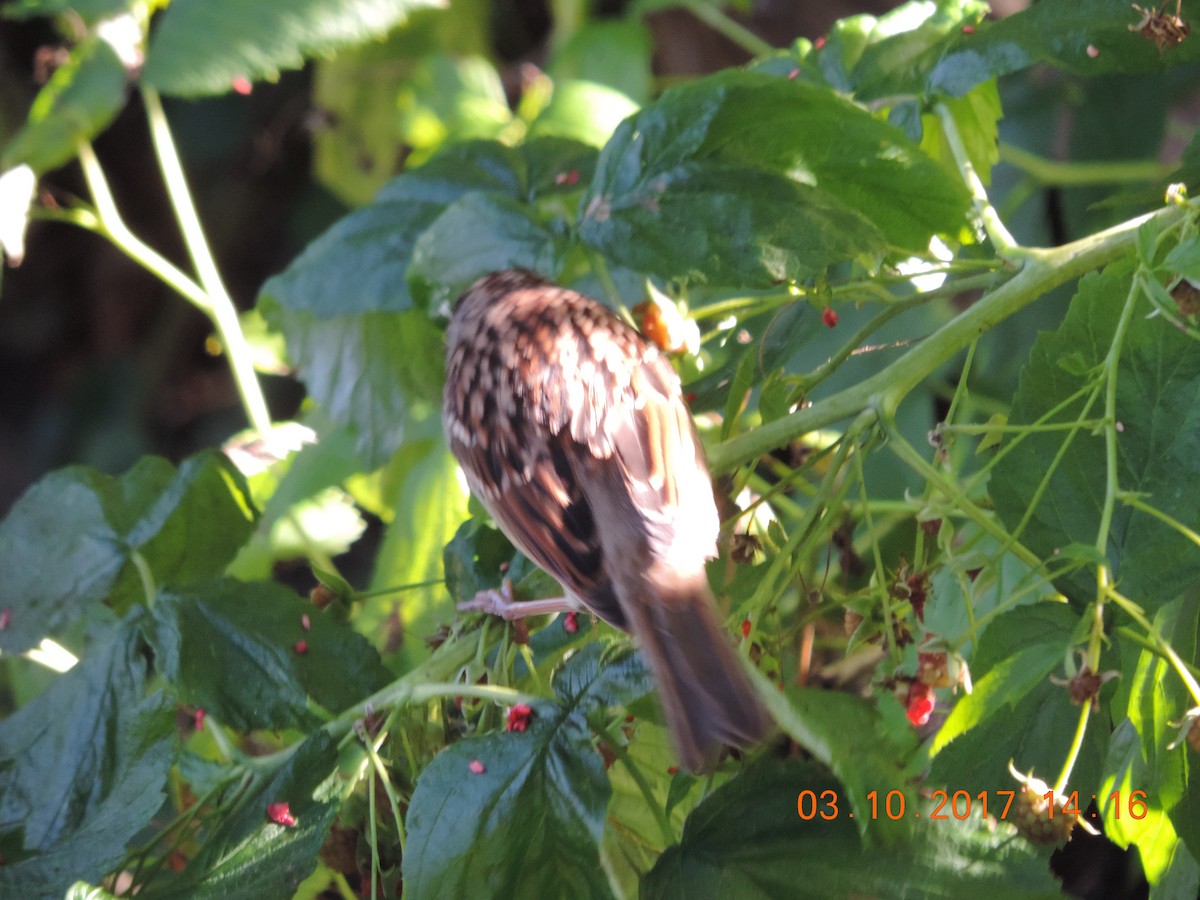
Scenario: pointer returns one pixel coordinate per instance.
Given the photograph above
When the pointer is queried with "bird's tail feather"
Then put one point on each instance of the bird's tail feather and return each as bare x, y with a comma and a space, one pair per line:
706, 694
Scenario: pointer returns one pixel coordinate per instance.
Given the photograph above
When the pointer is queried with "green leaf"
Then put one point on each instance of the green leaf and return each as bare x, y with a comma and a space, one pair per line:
610, 52
1057, 32
83, 768
847, 734
1158, 447
530, 824
246, 856
368, 355
426, 503
231, 649
200, 46
478, 234
67, 543
77, 103
1015, 712
741, 842
1158, 698
583, 111
87, 9
1184, 259
745, 179
1126, 772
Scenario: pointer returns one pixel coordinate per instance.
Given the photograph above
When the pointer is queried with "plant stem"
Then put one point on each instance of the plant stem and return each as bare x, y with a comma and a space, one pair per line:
734, 31
221, 308
1078, 174
1003, 241
1042, 271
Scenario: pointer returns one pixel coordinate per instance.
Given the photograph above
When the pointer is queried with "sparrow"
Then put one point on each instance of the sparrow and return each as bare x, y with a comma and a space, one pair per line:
571, 429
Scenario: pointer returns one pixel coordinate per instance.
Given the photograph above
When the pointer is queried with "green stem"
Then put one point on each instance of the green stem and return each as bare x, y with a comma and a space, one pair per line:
1079, 174
220, 305
107, 222
1064, 776
735, 32
1042, 271
1003, 241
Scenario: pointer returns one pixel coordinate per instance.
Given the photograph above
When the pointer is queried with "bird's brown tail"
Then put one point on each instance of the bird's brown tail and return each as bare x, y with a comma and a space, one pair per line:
706, 695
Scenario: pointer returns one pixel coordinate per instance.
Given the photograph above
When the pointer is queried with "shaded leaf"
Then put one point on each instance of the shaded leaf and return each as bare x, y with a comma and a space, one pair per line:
67, 542
745, 178
531, 822
246, 856
367, 353
741, 842
200, 46
1158, 447
77, 103
231, 649
478, 234
83, 768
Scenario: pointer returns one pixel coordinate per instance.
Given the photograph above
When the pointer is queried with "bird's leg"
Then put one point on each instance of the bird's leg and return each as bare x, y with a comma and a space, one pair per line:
501, 603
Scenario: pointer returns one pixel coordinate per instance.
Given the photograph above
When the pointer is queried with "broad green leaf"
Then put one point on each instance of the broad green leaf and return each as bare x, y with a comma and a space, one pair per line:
1158, 446
1058, 32
531, 822
87, 9
199, 47
478, 234
245, 855
847, 734
77, 103
1015, 712
83, 768
367, 354
1158, 698
235, 650
1184, 259
583, 111
1125, 772
976, 115
742, 841
450, 98
745, 178
426, 503
67, 542
610, 52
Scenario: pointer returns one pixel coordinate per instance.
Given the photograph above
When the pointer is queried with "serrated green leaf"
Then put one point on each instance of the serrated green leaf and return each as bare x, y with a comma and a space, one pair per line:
1029, 721
1158, 447
478, 234
1184, 259
1057, 32
745, 178
1126, 772
231, 649
200, 46
1157, 698
83, 768
741, 842
245, 855
367, 354
67, 542
531, 822
78, 101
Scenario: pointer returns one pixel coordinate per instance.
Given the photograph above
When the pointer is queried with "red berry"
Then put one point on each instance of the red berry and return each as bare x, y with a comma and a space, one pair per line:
476, 767
571, 622
519, 717
921, 701
281, 814
301, 647
830, 317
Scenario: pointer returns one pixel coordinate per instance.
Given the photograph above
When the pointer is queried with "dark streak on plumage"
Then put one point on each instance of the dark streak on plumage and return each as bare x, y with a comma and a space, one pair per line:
572, 430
